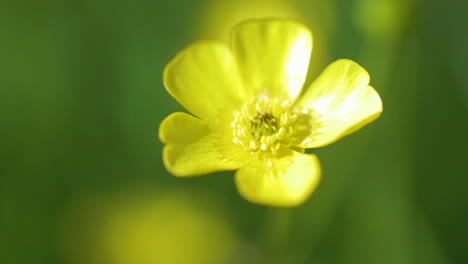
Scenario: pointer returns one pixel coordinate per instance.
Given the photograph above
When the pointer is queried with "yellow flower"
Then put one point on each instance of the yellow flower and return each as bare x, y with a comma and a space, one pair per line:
250, 116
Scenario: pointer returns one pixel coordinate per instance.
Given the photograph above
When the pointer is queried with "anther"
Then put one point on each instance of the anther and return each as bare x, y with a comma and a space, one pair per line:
263, 125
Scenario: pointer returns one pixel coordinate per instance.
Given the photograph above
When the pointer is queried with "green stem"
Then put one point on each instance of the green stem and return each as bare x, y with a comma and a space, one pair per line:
277, 227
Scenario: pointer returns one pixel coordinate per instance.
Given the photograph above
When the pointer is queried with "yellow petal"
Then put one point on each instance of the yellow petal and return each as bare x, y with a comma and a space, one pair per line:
273, 56
204, 79
287, 181
192, 148
340, 102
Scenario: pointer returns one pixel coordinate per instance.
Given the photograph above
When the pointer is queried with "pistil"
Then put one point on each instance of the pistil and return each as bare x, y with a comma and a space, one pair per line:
264, 125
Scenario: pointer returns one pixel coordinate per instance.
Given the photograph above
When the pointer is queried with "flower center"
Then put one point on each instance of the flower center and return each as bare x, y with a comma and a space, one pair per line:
264, 125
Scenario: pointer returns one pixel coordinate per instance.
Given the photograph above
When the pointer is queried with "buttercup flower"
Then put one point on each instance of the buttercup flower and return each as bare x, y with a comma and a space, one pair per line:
249, 114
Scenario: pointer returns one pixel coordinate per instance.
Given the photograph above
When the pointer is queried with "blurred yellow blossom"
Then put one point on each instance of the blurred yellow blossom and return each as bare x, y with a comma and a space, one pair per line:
216, 17
249, 115
381, 19
176, 227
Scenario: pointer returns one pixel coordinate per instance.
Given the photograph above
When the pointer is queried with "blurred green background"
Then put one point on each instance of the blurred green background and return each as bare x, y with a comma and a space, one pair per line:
81, 177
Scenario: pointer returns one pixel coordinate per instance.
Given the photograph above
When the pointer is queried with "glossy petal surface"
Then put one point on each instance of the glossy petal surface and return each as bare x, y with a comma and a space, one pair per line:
286, 181
340, 102
192, 148
204, 79
273, 56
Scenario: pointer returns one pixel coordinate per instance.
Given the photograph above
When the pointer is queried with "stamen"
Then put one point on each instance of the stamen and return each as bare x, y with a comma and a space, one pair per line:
264, 125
